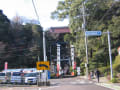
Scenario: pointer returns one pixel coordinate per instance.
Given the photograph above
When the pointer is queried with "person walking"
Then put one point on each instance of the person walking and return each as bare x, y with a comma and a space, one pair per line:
97, 73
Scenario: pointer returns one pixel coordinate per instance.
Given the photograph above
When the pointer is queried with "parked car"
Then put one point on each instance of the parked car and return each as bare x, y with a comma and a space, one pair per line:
31, 78
8, 76
16, 78
3, 77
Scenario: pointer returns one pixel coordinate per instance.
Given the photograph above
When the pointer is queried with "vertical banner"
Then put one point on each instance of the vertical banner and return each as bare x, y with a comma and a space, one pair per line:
58, 60
6, 66
72, 59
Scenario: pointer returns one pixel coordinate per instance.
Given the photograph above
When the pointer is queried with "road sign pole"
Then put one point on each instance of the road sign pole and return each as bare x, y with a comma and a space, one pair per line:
110, 54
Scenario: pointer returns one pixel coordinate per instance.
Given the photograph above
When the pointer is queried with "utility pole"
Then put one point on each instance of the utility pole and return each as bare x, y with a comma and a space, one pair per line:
110, 54
45, 57
84, 28
44, 47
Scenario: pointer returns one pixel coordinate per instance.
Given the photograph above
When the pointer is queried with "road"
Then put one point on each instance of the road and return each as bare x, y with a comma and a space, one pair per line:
74, 83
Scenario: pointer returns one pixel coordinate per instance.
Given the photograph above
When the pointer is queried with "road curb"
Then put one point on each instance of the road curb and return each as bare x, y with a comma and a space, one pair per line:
111, 86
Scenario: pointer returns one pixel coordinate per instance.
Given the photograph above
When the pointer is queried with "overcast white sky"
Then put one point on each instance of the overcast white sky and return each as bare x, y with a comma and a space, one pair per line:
25, 8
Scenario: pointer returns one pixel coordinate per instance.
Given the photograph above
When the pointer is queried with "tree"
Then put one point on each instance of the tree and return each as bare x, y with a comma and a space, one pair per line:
4, 27
100, 15
4, 36
20, 43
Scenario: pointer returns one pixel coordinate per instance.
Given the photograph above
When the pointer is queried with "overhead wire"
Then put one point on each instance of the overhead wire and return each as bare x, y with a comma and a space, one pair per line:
36, 11
16, 49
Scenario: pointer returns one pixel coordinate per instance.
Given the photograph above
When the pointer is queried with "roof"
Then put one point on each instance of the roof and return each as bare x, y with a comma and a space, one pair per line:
59, 30
19, 70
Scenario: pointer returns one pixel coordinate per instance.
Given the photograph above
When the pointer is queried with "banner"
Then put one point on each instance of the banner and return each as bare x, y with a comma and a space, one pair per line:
6, 66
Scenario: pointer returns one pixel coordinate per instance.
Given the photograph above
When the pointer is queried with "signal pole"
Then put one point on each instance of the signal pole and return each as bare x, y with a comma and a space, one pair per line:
84, 28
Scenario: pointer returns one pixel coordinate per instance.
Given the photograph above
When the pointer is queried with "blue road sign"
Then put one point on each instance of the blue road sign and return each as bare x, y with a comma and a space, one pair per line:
93, 33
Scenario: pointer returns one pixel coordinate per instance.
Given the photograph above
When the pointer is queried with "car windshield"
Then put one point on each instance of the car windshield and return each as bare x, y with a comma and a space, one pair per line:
16, 74
2, 74
8, 74
31, 75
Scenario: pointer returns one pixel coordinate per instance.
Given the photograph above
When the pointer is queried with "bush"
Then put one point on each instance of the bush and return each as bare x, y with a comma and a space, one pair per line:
105, 74
75, 71
115, 75
114, 80
53, 75
116, 65
82, 73
104, 70
70, 69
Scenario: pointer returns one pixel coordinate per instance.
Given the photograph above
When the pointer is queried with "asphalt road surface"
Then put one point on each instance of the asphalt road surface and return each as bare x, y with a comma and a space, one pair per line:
75, 83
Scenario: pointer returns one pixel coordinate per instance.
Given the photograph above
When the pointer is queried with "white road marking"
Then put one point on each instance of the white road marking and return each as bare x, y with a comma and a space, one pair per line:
109, 86
81, 82
51, 87
39, 88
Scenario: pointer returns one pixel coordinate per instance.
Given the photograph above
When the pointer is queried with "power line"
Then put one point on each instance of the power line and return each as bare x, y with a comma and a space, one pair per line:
36, 11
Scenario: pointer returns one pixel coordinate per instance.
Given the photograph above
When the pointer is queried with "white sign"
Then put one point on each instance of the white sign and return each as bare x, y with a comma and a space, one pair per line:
78, 70
43, 76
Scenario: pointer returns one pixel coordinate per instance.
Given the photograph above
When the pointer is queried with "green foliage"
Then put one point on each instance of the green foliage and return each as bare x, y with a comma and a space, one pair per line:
116, 65
75, 71
4, 27
114, 80
52, 75
105, 74
105, 70
82, 66
71, 69
20, 44
114, 74
101, 15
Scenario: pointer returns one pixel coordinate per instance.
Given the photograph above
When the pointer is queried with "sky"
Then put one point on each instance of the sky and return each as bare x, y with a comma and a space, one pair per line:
25, 8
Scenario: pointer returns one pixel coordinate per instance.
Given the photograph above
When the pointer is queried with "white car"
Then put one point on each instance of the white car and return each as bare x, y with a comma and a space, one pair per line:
30, 78
16, 77
3, 78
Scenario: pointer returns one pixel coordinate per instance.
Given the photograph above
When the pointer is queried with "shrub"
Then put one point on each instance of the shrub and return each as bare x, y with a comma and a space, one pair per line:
75, 71
105, 74
116, 65
70, 69
114, 74
104, 70
52, 75
114, 80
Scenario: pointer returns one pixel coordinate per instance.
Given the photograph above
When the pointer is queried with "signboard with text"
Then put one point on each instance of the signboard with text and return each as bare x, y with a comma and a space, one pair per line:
93, 33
